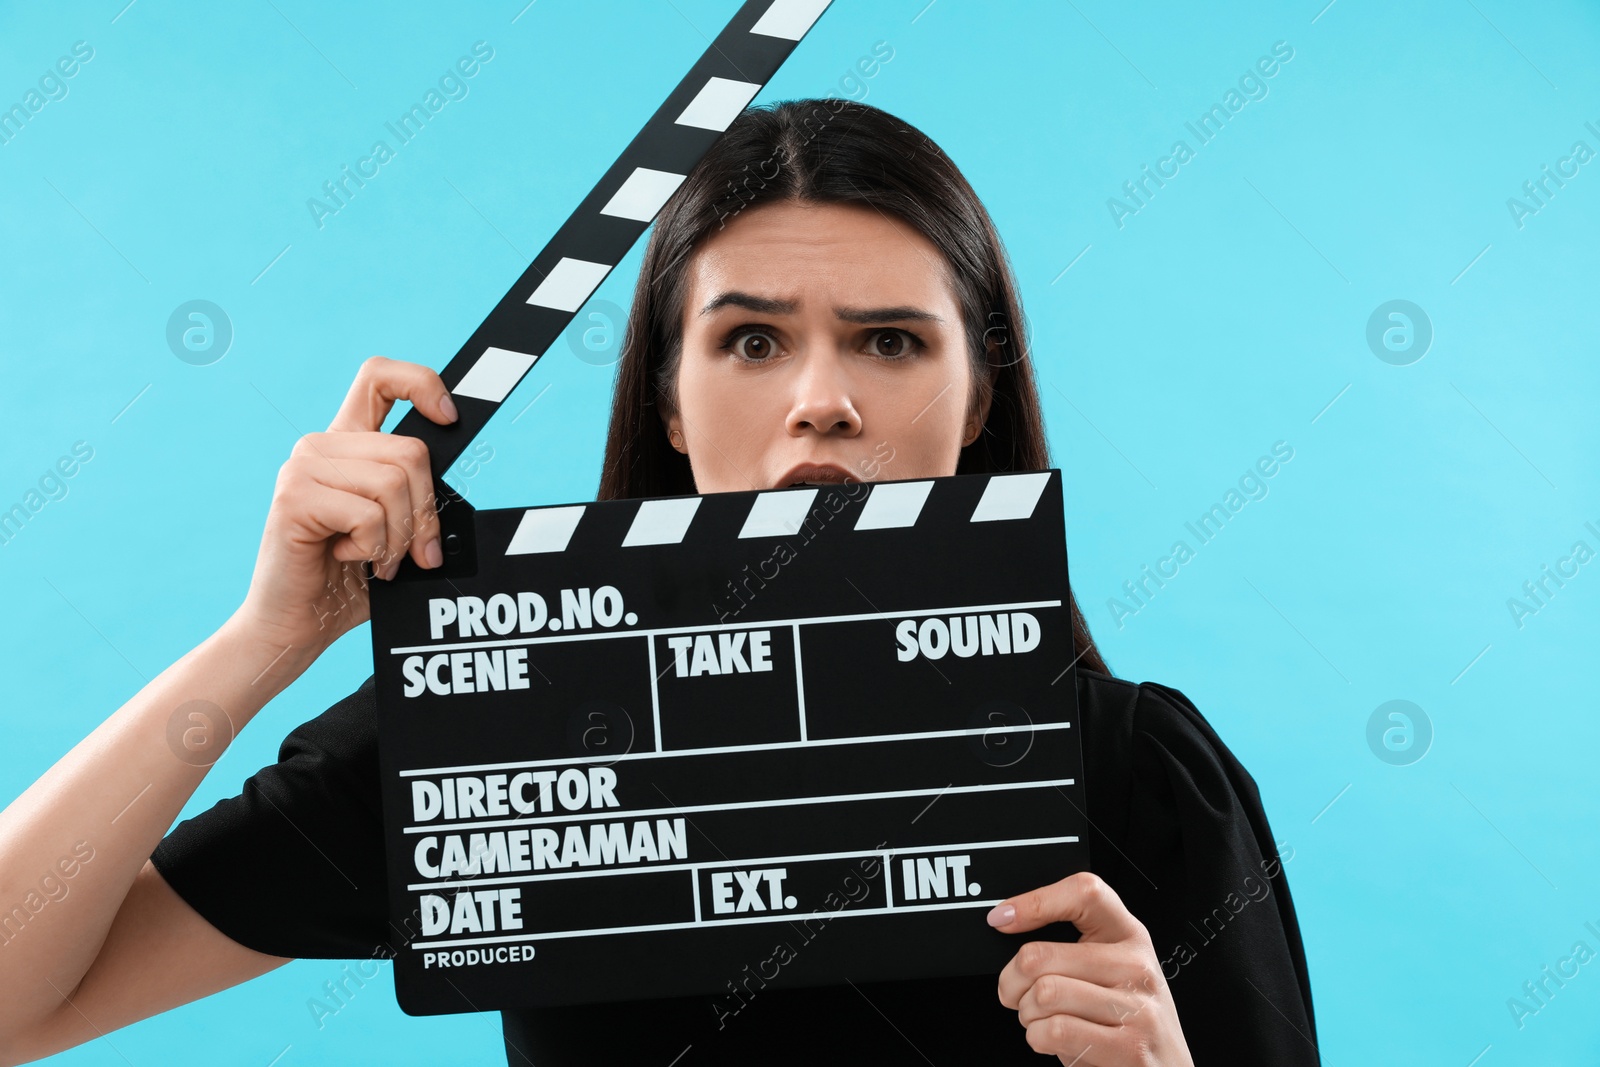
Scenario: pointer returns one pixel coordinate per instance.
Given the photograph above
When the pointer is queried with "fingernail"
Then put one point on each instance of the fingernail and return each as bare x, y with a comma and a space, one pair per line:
391, 570
433, 553
1002, 915
448, 406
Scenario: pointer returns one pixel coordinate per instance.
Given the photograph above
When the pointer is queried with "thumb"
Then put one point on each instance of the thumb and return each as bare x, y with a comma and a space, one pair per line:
1083, 899
382, 381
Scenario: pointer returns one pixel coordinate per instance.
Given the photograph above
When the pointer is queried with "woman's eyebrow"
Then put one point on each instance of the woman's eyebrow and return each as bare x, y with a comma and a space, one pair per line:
888, 314
750, 302
768, 306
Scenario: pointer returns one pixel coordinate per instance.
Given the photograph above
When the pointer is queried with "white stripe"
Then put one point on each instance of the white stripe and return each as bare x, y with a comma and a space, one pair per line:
642, 195
1010, 496
718, 103
778, 513
569, 284
545, 530
766, 747
655, 695
799, 682
893, 504
783, 916
737, 805
789, 19
1025, 842
661, 522
713, 627
497, 371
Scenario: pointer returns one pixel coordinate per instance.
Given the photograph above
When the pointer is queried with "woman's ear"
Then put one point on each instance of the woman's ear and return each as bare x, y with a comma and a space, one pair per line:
980, 414
673, 424
974, 427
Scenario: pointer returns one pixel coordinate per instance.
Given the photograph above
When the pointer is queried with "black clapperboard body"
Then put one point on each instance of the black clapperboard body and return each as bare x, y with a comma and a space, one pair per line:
704, 744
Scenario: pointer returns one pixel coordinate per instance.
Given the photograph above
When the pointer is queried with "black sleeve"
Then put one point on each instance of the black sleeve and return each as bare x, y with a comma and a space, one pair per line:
1179, 832
294, 865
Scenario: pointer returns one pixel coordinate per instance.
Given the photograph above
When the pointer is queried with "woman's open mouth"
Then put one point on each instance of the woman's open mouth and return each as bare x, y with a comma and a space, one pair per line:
815, 474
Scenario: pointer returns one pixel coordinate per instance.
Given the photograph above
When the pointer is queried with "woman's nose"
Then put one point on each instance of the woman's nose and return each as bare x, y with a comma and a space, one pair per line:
823, 400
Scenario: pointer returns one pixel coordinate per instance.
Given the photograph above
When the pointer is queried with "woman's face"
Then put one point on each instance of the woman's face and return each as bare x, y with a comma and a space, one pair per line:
824, 337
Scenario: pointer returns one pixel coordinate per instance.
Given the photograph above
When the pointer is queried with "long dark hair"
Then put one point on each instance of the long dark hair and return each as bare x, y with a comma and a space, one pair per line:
828, 151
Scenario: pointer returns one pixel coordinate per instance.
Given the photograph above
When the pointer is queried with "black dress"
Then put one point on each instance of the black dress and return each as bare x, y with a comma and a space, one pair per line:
294, 866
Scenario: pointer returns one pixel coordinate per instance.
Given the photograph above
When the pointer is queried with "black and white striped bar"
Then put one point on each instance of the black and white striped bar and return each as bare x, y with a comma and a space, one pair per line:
605, 226
777, 513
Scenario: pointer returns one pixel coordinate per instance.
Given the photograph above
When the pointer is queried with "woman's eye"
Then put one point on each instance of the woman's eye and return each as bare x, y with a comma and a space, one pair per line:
750, 345
894, 343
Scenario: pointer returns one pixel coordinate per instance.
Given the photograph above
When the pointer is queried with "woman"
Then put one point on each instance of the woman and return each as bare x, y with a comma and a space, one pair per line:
824, 284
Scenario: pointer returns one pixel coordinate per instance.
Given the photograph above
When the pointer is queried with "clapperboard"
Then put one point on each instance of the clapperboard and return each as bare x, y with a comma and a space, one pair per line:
644, 748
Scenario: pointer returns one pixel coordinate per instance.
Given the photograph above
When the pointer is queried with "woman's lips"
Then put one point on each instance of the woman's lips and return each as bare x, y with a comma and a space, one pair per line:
815, 474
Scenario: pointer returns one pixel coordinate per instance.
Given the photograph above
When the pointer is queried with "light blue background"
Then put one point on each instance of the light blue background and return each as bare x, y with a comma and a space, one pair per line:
1228, 314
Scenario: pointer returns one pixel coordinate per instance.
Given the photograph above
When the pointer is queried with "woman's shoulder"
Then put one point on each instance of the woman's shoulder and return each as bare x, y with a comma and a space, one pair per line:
345, 733
1122, 703
1157, 773
1123, 719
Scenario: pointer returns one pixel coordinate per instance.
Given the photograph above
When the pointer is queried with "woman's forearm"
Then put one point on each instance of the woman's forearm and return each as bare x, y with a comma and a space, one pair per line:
72, 843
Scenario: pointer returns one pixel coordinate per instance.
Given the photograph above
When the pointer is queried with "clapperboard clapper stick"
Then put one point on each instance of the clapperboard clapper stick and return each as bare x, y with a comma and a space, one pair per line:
704, 744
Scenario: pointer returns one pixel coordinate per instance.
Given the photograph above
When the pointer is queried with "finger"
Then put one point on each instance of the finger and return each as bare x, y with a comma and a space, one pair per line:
1056, 994
1078, 1042
391, 488
422, 521
416, 528
380, 382
1118, 966
351, 523
384, 483
1082, 899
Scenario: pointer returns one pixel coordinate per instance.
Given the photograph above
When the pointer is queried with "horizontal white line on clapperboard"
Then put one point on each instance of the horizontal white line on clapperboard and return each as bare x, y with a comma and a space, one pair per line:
793, 916
787, 916
768, 746
913, 850
713, 626
782, 802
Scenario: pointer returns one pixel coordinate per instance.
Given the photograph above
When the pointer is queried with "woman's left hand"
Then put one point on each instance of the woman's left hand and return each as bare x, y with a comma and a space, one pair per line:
1099, 1002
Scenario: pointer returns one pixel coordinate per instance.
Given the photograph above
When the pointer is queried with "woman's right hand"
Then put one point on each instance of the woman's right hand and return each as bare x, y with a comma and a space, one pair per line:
346, 496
